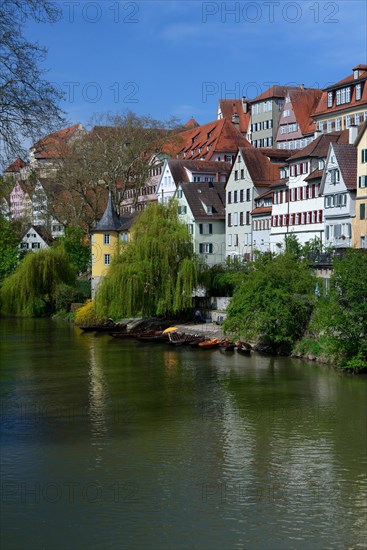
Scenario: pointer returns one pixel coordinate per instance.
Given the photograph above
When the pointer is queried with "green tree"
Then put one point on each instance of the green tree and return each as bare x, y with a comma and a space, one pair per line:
274, 303
30, 290
77, 248
9, 248
155, 273
342, 313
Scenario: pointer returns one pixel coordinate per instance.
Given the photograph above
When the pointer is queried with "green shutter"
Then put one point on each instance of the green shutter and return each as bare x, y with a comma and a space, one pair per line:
201, 248
200, 228
210, 248
362, 211
210, 229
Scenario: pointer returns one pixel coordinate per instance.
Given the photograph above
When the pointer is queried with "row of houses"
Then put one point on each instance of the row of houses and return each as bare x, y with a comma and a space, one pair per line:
291, 160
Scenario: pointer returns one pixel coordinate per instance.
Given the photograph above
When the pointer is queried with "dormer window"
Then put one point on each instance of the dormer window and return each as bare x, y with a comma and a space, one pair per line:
321, 164
356, 74
358, 92
330, 99
343, 96
209, 209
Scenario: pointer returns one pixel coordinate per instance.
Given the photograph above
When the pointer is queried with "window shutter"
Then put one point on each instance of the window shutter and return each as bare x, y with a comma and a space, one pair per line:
210, 229
210, 248
200, 228
362, 211
201, 248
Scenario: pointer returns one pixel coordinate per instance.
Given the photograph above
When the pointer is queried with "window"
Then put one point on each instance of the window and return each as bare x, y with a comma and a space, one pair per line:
247, 218
235, 196
334, 175
205, 228
36, 245
229, 218
337, 124
190, 227
286, 113
241, 195
182, 209
330, 99
229, 240
248, 195
242, 174
179, 193
362, 211
358, 92
241, 218
364, 155
24, 245
235, 218
362, 181
229, 197
205, 248
106, 238
236, 175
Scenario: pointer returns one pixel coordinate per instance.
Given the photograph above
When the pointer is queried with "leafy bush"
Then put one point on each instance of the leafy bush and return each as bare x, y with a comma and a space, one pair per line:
86, 315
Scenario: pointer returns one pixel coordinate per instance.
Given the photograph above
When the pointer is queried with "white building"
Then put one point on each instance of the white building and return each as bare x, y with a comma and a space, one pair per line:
202, 208
338, 186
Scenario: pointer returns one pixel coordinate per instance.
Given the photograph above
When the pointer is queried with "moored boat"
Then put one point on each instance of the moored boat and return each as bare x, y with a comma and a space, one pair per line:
227, 345
209, 344
105, 327
243, 348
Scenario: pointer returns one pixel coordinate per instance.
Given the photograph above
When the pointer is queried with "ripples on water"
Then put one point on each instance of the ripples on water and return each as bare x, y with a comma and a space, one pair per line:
112, 444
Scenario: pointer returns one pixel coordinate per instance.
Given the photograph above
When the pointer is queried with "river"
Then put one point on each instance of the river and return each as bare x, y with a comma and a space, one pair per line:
114, 444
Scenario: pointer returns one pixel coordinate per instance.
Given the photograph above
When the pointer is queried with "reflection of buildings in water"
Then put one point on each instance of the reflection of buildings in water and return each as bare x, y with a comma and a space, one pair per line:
170, 361
97, 394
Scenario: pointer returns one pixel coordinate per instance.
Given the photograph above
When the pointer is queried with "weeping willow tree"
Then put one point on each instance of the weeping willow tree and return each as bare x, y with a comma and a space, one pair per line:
155, 273
30, 290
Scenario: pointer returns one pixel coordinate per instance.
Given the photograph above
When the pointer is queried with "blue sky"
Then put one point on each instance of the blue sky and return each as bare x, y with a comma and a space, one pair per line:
177, 58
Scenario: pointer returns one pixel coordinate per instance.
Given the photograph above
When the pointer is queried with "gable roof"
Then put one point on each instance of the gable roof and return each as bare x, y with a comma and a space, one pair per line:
42, 232
230, 107
180, 168
304, 102
322, 107
54, 145
275, 91
15, 166
361, 132
205, 194
261, 170
191, 123
319, 147
220, 136
346, 156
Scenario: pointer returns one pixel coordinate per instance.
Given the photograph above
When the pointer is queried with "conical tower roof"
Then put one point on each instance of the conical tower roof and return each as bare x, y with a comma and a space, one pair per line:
110, 220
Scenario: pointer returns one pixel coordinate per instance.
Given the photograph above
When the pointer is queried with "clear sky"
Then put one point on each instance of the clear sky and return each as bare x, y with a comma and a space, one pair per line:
177, 58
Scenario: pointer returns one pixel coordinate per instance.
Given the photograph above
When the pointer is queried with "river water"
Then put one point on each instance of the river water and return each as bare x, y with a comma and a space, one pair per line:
114, 444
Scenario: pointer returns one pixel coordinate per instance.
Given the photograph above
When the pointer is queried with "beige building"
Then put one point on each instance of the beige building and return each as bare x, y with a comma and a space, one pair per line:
359, 231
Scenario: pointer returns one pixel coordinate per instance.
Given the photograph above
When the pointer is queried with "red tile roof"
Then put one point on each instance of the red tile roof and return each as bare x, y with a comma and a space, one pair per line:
230, 107
316, 174
179, 168
275, 91
346, 156
191, 123
319, 147
262, 172
55, 145
323, 109
15, 166
304, 102
261, 210
220, 136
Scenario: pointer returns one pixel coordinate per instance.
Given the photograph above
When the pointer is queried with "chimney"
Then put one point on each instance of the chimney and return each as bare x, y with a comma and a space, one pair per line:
302, 86
353, 131
244, 104
236, 120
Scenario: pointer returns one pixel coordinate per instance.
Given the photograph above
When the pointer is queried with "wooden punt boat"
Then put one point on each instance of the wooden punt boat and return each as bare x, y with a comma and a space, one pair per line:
182, 339
243, 348
209, 344
227, 345
133, 334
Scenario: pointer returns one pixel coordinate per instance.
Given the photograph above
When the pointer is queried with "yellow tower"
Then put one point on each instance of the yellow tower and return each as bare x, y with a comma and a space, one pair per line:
104, 242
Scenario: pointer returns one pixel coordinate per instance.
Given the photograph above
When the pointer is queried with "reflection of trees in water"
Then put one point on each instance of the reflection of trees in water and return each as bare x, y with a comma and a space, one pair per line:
97, 395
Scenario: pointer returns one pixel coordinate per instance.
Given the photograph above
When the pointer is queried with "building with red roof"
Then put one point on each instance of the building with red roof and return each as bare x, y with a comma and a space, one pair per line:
296, 126
344, 103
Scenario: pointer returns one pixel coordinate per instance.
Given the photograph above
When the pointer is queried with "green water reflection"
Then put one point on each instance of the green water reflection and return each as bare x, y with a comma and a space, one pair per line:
113, 444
